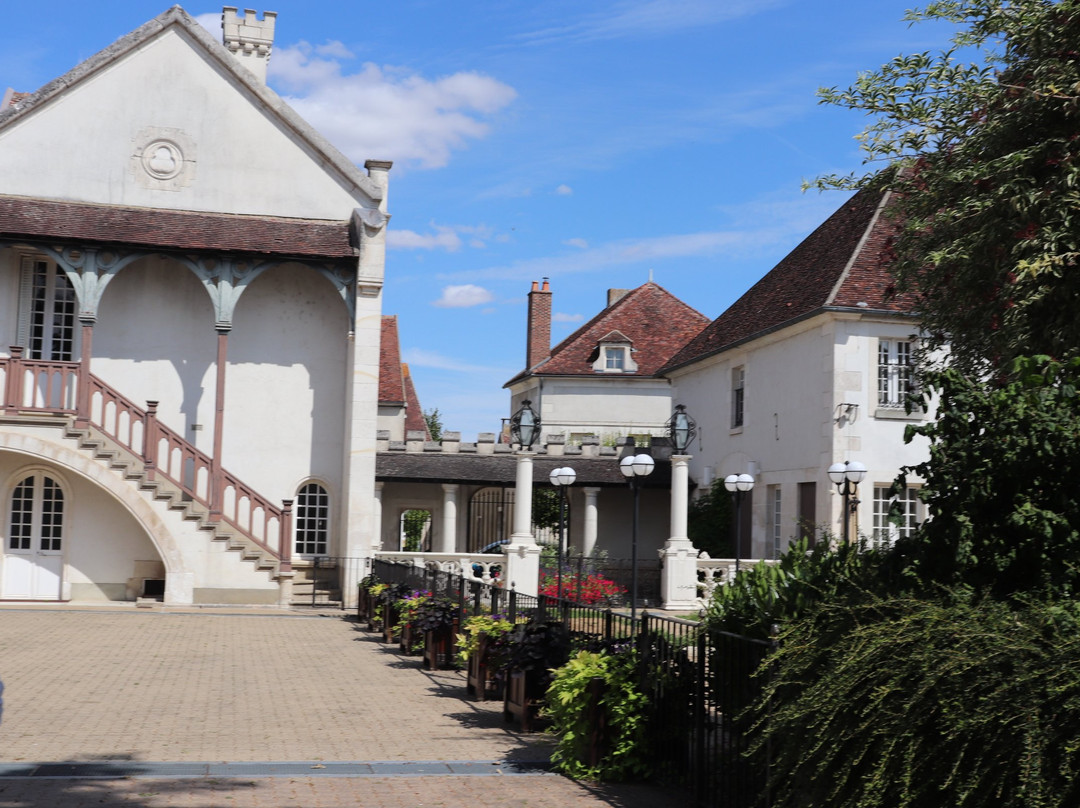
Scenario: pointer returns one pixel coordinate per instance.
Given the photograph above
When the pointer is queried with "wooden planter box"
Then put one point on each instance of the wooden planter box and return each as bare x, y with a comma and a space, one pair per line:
405, 639
517, 701
365, 606
391, 616
439, 648
481, 681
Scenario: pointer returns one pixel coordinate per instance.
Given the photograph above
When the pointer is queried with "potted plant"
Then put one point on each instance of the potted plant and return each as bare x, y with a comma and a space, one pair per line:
365, 601
532, 651
376, 602
408, 607
391, 609
478, 653
437, 621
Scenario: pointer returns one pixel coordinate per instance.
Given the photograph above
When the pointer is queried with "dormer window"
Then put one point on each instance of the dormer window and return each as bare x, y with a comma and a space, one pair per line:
614, 354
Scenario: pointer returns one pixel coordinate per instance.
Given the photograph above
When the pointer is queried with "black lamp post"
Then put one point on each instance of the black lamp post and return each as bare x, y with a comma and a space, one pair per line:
562, 479
847, 476
525, 426
634, 468
681, 429
738, 485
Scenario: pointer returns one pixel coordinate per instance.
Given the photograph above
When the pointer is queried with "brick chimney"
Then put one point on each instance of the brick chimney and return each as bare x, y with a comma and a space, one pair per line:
538, 346
248, 38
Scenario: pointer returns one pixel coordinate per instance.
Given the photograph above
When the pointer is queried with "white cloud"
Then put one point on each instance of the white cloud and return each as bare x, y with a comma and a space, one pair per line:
755, 227
443, 238
564, 190
580, 243
560, 317
460, 297
386, 112
649, 18
419, 357
212, 23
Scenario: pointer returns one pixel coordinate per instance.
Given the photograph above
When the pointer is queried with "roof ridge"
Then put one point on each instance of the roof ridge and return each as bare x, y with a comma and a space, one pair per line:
846, 271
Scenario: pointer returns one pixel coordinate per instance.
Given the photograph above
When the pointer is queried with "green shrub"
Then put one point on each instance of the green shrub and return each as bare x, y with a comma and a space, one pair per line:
765, 595
909, 703
622, 705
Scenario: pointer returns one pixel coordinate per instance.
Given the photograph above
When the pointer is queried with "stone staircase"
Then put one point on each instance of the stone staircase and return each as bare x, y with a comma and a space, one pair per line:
124, 463
316, 587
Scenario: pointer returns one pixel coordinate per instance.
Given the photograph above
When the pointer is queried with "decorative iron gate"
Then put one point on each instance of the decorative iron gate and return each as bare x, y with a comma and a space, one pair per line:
491, 518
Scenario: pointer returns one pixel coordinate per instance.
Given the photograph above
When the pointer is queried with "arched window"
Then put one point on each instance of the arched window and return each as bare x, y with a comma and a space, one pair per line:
33, 559
312, 520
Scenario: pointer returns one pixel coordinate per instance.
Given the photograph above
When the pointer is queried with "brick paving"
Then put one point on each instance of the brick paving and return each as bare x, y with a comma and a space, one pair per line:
146, 686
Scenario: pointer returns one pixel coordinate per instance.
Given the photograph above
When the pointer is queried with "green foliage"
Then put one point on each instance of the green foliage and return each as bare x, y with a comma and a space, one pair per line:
545, 507
1000, 484
434, 614
415, 523
477, 628
912, 703
433, 419
621, 713
765, 595
981, 142
536, 648
709, 522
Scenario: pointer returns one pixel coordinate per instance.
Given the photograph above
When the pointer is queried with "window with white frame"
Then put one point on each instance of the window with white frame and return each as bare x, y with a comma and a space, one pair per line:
895, 372
312, 520
47, 309
774, 506
614, 358
906, 504
738, 383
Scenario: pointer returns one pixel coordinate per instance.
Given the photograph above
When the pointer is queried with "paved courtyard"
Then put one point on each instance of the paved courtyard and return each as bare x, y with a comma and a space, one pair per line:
325, 714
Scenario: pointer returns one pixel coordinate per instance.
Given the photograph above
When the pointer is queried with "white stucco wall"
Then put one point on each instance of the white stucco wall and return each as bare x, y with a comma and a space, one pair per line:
245, 160
608, 405
796, 379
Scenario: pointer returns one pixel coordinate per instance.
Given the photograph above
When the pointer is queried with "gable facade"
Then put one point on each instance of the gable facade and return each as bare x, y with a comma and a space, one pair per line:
193, 288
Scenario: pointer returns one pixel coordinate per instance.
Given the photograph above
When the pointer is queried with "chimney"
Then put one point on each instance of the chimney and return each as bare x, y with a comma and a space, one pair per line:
249, 39
538, 347
615, 295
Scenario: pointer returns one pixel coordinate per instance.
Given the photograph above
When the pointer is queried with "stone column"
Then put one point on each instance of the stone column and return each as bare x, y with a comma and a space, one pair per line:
448, 539
523, 553
217, 478
376, 518
589, 529
678, 581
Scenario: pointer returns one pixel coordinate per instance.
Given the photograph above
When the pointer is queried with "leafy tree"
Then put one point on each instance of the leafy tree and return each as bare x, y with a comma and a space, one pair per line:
981, 144
433, 419
708, 522
1000, 484
545, 507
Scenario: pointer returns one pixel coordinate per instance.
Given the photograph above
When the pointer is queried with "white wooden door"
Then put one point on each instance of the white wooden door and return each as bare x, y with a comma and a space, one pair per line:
34, 553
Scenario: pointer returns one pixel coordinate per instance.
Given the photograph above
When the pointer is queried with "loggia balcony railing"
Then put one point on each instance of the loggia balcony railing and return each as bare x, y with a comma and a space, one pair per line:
40, 386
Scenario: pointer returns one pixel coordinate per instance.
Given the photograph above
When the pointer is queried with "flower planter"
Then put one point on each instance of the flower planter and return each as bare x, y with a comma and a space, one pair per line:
405, 639
439, 647
521, 700
481, 681
391, 615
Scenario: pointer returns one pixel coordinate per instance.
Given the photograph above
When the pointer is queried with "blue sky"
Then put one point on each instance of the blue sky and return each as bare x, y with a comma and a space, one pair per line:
591, 143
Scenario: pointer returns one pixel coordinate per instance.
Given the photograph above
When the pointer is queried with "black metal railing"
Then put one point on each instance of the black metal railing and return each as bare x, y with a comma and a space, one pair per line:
699, 682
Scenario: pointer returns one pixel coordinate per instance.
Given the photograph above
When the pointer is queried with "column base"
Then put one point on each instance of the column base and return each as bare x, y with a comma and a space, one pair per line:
678, 578
522, 565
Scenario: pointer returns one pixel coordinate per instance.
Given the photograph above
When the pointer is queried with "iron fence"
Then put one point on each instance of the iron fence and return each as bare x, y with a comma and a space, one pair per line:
699, 682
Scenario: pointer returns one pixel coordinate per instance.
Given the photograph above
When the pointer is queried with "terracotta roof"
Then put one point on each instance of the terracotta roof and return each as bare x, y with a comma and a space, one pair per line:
38, 219
656, 322
842, 264
391, 378
414, 415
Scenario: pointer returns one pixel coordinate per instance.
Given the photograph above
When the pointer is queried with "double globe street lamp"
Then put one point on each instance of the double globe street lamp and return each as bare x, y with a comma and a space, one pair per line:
738, 485
562, 479
635, 468
846, 477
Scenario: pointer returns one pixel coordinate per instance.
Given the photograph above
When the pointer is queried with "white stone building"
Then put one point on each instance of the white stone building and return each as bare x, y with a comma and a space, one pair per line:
807, 369
190, 278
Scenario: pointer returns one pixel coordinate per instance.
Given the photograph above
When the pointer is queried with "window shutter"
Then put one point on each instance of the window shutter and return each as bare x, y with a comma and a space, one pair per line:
26, 301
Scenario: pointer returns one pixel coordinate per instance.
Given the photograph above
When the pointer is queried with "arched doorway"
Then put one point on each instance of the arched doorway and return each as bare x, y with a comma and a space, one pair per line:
34, 551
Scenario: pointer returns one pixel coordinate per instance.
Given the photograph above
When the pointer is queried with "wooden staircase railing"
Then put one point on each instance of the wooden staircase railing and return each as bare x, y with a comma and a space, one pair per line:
34, 385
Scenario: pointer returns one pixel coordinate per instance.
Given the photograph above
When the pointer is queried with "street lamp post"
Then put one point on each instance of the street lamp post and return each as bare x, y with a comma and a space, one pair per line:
562, 479
738, 485
847, 476
633, 468
524, 426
